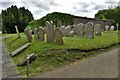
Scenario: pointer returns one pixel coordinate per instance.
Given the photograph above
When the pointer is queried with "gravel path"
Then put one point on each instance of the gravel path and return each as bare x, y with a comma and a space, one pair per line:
101, 66
8, 67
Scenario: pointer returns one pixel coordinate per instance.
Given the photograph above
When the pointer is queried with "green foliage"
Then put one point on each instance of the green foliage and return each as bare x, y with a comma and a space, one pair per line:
57, 18
0, 22
13, 16
51, 55
112, 14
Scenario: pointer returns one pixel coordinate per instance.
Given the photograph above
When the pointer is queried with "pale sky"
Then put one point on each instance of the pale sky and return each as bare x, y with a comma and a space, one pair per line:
40, 8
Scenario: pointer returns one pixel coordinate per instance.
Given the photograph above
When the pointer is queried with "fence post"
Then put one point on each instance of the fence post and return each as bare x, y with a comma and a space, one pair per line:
27, 73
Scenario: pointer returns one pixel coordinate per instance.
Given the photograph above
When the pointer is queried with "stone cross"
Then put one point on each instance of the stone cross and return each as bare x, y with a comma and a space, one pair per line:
17, 31
28, 34
50, 31
58, 36
41, 34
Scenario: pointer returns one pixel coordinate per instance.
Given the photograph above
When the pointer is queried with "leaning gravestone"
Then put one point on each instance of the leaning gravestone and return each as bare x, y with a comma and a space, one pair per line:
17, 31
32, 57
79, 29
89, 30
28, 34
19, 50
58, 36
107, 28
36, 34
50, 31
97, 30
41, 34
111, 28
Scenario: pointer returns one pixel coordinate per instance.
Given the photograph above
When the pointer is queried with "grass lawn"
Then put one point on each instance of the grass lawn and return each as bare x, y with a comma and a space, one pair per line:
51, 55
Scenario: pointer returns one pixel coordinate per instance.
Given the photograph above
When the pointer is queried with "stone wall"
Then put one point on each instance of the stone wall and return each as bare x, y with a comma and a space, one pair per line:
85, 20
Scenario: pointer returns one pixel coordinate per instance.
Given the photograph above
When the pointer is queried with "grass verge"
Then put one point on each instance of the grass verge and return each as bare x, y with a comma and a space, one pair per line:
51, 55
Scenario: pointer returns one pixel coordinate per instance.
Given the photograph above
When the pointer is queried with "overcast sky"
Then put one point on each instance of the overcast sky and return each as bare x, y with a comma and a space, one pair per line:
40, 8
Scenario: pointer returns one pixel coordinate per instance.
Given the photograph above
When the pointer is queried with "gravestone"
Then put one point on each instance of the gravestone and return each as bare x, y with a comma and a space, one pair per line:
28, 34
97, 30
62, 29
89, 30
73, 28
23, 62
71, 34
111, 28
41, 34
36, 34
19, 50
50, 31
17, 31
44, 30
79, 29
107, 28
67, 31
58, 36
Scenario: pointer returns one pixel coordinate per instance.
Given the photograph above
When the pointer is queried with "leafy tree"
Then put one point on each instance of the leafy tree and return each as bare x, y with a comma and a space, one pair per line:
112, 14
57, 18
13, 16
0, 22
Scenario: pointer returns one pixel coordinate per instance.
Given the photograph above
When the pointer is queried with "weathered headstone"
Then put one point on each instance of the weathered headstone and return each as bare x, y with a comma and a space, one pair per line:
17, 31
62, 29
17, 51
44, 30
79, 29
67, 31
28, 34
73, 28
89, 30
111, 28
71, 34
97, 29
41, 34
107, 28
50, 31
36, 34
58, 36
23, 62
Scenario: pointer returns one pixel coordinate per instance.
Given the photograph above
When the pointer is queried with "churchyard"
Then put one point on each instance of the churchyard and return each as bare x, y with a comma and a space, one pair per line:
54, 47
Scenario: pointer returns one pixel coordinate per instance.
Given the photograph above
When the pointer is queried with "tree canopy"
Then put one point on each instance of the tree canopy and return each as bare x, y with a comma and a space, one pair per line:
57, 18
15, 16
112, 14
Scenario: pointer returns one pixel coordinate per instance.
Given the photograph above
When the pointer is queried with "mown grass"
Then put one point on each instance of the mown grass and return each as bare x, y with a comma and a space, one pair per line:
51, 55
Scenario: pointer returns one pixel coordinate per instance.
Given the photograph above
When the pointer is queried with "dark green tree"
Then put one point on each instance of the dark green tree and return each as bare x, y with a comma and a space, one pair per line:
57, 18
112, 14
13, 16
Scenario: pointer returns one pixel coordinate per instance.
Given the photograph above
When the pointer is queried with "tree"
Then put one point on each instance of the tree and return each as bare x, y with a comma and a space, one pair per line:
58, 19
112, 14
13, 16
